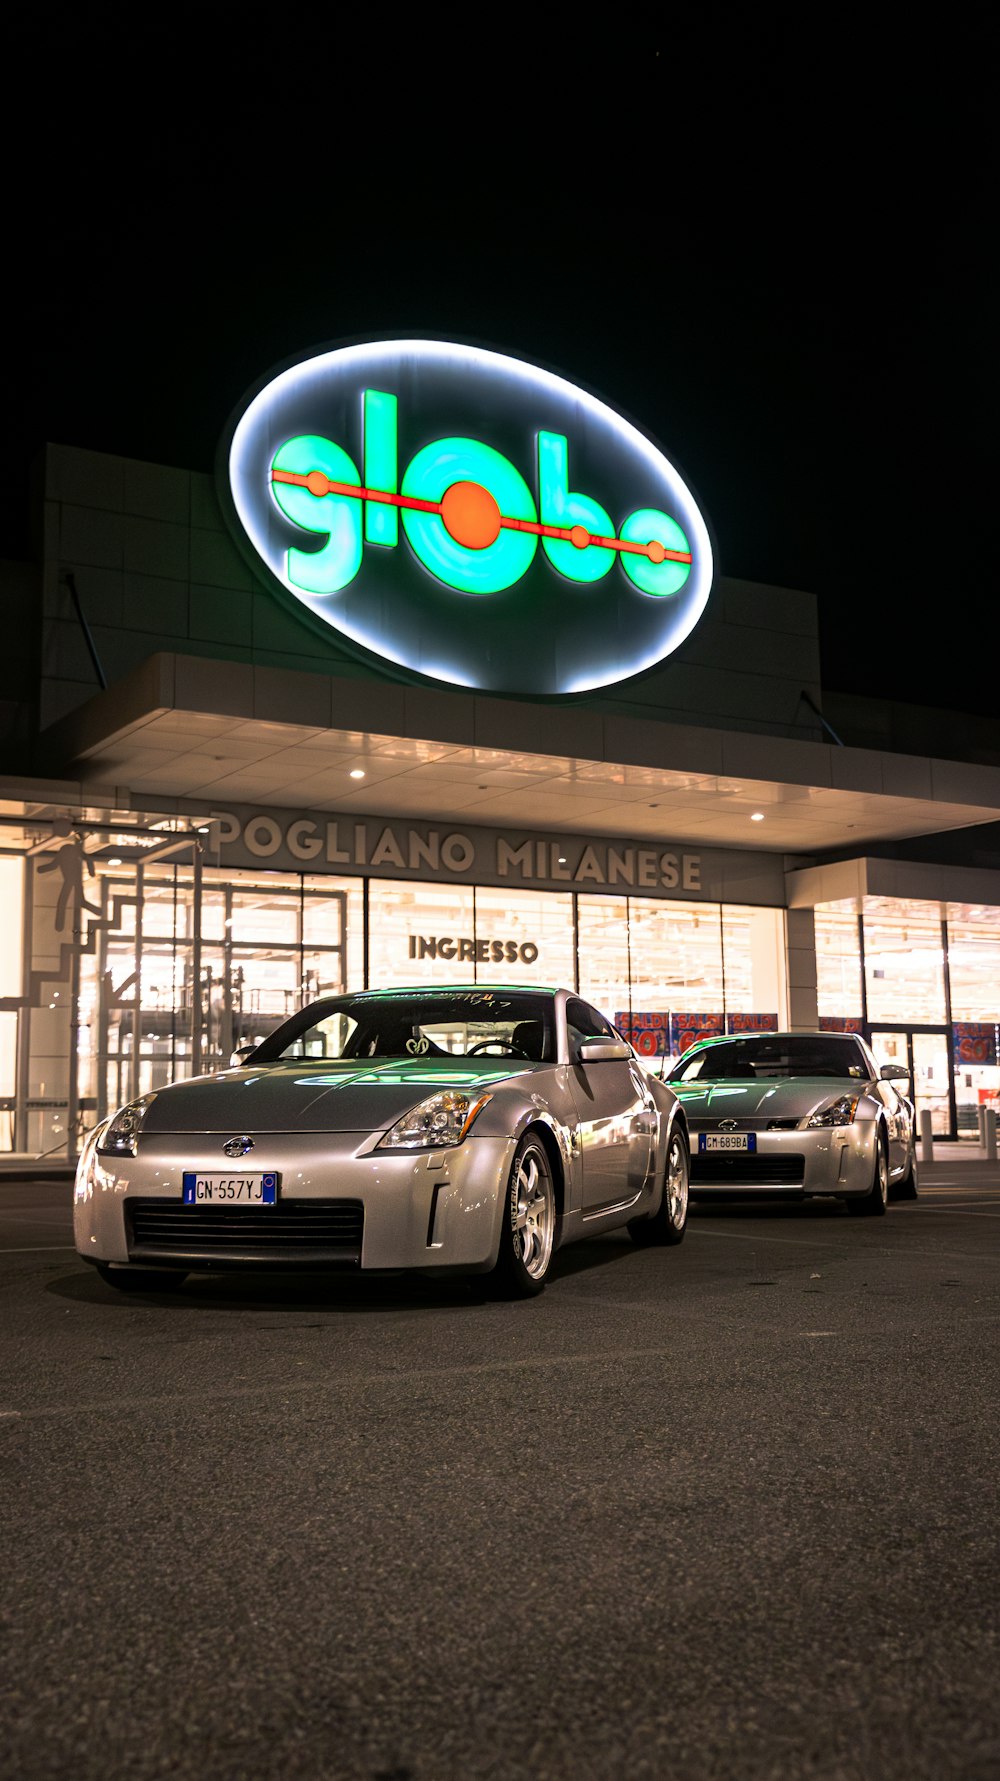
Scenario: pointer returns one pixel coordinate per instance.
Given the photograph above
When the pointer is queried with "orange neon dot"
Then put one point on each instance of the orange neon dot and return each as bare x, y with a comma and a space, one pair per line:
470, 515
317, 483
579, 536
655, 551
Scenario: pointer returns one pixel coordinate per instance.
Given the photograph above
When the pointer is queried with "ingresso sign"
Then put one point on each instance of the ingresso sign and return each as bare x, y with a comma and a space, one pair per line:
389, 848
467, 516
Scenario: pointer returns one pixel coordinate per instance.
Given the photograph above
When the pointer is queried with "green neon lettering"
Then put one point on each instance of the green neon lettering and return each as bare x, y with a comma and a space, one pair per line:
326, 570
381, 472
561, 508
429, 475
654, 578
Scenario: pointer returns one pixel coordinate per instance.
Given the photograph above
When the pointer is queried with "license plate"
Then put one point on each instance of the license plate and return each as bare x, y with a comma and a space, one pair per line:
726, 1141
229, 1190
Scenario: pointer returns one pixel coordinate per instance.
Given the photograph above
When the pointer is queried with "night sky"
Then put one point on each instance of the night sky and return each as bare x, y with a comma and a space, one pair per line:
768, 242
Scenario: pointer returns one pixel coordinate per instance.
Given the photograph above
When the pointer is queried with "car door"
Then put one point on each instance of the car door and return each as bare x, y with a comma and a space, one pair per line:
616, 1113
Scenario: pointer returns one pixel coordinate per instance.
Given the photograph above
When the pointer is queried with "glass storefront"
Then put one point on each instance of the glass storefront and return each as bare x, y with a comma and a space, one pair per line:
143, 964
922, 979
128, 962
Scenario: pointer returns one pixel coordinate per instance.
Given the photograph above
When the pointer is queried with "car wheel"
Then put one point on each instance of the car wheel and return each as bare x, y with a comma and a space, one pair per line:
873, 1203
141, 1279
528, 1228
906, 1188
669, 1221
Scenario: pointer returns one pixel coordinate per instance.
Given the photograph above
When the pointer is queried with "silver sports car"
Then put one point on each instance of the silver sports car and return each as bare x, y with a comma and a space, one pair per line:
471, 1128
796, 1114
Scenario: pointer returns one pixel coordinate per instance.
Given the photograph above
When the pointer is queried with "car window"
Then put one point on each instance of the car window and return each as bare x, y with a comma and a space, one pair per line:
773, 1059
446, 1025
329, 1038
584, 1022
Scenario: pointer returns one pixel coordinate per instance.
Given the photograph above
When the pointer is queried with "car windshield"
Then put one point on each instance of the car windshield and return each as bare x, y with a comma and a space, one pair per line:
773, 1059
425, 1025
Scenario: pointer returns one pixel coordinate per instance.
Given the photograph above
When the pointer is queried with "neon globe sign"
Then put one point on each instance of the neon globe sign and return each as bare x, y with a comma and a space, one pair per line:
467, 517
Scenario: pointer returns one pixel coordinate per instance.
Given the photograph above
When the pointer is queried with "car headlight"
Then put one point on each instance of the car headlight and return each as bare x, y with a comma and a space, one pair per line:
119, 1139
438, 1122
839, 1112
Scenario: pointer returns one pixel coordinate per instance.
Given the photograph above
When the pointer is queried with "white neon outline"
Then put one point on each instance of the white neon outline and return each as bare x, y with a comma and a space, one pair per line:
441, 352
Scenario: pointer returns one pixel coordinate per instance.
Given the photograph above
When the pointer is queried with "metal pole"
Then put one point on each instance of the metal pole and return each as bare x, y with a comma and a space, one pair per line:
73, 1086
926, 1136
133, 1084
196, 964
991, 1135
103, 1011
23, 1080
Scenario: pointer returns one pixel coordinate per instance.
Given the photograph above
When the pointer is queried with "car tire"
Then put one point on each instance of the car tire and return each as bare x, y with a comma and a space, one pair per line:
907, 1188
528, 1225
873, 1204
669, 1222
142, 1279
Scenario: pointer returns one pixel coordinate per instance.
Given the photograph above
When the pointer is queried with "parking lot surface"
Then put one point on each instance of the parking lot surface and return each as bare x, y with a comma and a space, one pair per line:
721, 1511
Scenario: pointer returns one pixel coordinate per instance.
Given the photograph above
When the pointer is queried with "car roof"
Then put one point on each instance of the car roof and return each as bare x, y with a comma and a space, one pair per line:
448, 989
761, 1038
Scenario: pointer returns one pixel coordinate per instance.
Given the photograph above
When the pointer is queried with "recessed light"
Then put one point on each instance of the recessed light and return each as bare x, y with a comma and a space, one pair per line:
357, 772
758, 816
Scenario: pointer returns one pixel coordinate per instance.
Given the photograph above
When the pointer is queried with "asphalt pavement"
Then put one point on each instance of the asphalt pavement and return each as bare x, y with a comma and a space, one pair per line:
724, 1511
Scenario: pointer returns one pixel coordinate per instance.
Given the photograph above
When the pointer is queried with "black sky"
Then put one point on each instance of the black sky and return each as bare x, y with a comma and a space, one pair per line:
767, 238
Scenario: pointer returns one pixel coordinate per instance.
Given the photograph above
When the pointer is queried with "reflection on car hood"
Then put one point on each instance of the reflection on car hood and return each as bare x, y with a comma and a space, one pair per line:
794, 1099
349, 1096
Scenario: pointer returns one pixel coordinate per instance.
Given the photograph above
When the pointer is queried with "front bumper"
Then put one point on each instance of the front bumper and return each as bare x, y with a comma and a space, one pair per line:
800, 1163
422, 1209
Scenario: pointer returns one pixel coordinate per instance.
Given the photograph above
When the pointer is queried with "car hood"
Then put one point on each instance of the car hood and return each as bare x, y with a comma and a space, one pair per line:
795, 1099
349, 1096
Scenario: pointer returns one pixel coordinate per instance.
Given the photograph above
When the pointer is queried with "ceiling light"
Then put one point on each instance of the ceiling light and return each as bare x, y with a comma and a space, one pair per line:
758, 816
357, 772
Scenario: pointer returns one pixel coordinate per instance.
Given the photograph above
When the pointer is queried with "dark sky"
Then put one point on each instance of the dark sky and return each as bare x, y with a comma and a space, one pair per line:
769, 242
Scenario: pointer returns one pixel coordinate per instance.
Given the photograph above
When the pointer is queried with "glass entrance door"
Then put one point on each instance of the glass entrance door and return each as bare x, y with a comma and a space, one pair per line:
924, 1052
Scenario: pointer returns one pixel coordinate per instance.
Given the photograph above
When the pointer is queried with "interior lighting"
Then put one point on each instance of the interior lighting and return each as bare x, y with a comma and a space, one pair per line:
357, 772
758, 816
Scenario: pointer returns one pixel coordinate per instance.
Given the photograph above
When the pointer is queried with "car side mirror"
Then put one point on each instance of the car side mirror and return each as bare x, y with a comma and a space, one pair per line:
240, 1055
894, 1073
602, 1050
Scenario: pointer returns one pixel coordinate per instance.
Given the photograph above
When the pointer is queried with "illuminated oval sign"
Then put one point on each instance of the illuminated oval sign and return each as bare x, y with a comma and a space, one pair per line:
467, 516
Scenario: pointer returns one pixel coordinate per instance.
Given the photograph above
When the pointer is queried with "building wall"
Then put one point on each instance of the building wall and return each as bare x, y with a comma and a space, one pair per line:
155, 569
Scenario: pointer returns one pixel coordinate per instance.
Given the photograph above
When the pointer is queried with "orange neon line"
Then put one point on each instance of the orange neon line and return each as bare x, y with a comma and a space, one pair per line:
353, 489
319, 484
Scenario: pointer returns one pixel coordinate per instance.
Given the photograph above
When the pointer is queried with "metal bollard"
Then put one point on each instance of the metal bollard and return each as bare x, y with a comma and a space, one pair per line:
981, 1116
926, 1136
990, 1123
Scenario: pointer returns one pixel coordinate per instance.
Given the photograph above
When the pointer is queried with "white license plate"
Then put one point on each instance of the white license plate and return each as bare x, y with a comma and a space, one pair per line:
727, 1141
229, 1190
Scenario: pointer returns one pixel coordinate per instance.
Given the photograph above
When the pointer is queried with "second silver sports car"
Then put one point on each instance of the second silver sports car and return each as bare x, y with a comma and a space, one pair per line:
470, 1128
796, 1114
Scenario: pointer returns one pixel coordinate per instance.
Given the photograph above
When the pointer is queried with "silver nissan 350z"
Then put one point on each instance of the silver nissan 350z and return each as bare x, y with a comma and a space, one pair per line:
796, 1114
474, 1129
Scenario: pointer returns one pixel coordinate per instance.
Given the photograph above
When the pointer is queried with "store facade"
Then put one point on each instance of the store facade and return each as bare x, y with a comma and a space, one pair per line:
620, 780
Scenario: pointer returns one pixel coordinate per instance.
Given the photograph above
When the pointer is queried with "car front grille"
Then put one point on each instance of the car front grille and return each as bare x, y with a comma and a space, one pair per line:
292, 1233
749, 1172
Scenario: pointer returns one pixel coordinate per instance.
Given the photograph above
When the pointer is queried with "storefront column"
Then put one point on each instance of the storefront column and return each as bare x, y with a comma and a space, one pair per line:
800, 963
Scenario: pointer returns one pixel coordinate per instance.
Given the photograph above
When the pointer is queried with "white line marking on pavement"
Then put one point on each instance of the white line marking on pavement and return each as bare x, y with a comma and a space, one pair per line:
959, 1213
42, 1248
846, 1249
